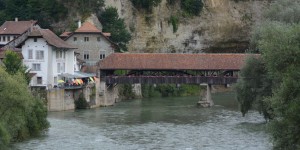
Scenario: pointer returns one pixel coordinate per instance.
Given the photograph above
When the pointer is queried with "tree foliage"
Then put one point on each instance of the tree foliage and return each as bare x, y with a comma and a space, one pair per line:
145, 4
116, 26
45, 11
192, 7
85, 7
277, 39
81, 103
13, 65
21, 114
253, 87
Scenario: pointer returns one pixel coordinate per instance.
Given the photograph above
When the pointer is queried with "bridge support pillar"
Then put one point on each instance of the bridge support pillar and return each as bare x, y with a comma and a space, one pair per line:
206, 101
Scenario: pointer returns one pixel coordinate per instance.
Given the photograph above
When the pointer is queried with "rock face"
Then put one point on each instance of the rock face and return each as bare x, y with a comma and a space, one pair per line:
222, 26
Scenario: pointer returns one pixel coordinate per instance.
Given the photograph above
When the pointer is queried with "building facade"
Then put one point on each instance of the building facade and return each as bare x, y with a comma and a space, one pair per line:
92, 44
47, 56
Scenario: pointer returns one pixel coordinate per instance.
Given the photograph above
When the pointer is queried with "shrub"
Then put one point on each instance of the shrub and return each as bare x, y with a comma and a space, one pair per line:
81, 103
192, 7
145, 4
174, 21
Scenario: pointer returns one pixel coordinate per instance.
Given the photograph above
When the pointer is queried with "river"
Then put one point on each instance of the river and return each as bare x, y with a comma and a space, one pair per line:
155, 124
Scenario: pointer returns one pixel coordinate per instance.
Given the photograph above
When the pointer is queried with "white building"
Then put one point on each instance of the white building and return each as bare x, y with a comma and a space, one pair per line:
48, 57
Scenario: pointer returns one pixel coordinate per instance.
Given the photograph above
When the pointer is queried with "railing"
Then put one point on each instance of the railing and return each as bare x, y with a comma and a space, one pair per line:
215, 80
74, 86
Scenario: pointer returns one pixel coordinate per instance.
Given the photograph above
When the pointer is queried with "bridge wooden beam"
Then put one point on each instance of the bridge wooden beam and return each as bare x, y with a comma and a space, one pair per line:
213, 80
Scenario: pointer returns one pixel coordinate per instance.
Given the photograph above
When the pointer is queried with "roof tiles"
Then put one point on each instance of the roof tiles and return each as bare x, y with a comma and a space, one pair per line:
162, 61
16, 27
88, 27
51, 38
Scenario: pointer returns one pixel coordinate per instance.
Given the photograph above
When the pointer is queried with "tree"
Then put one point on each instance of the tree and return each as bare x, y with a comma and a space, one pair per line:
116, 26
21, 114
253, 87
13, 64
45, 11
277, 39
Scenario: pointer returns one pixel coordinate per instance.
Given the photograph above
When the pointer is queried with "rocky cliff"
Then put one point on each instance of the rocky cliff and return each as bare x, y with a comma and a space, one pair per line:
222, 26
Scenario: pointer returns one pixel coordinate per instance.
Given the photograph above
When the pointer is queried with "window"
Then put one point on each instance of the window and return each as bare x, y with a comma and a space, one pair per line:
75, 38
86, 55
30, 54
86, 39
39, 55
36, 67
3, 38
0, 38
98, 39
58, 67
8, 38
61, 67
60, 54
102, 54
35, 39
39, 80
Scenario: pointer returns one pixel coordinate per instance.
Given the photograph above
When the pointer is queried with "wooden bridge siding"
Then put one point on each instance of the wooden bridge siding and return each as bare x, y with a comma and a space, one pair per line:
215, 80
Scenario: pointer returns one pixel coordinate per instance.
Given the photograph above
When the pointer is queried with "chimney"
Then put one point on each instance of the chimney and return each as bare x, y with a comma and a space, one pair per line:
79, 23
16, 19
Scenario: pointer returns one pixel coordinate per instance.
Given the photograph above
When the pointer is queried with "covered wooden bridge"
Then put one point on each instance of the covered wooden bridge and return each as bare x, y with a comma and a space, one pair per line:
156, 68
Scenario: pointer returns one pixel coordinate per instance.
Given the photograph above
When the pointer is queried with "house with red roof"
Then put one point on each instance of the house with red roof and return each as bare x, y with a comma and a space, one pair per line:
93, 45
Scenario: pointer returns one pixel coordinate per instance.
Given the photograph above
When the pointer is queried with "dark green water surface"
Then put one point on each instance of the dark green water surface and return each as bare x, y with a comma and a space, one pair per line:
155, 124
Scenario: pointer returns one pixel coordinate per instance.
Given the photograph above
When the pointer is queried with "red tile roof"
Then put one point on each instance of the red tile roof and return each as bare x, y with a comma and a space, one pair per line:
87, 27
161, 61
65, 34
51, 38
16, 27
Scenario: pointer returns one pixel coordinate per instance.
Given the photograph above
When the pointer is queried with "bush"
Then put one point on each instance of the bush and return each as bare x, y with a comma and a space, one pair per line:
174, 21
81, 103
125, 90
145, 4
167, 90
192, 7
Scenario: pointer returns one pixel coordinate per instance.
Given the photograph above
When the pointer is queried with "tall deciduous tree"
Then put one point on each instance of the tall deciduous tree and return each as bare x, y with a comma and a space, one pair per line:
277, 39
21, 114
116, 26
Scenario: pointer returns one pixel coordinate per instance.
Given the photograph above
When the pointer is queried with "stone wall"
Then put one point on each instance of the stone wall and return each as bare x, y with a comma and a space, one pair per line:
108, 94
60, 100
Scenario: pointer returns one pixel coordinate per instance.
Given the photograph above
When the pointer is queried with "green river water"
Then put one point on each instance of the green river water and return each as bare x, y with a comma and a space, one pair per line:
155, 124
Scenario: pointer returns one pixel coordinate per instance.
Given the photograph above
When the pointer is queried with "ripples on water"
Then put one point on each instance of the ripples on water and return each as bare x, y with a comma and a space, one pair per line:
163, 123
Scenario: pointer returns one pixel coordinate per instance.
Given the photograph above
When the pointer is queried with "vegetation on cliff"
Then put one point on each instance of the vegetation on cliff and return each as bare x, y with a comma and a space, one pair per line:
22, 115
276, 88
116, 26
45, 11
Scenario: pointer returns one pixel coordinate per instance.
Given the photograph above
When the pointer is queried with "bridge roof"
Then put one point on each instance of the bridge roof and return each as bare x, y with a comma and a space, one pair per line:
171, 61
